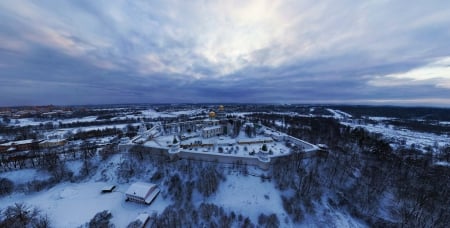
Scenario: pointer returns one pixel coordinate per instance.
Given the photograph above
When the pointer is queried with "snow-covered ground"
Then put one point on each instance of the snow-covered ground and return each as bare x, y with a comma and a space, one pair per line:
32, 122
407, 136
151, 113
22, 176
26, 122
393, 134
442, 163
248, 195
339, 114
380, 118
188, 112
84, 119
73, 204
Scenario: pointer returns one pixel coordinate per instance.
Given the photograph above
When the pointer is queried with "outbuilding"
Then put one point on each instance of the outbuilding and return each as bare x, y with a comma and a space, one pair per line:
142, 192
108, 189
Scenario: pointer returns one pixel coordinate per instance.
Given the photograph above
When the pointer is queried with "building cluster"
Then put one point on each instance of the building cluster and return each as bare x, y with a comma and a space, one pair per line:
44, 111
215, 125
32, 144
217, 137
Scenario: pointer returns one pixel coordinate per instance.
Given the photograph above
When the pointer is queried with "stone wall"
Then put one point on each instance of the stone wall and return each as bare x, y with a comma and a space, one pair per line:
221, 158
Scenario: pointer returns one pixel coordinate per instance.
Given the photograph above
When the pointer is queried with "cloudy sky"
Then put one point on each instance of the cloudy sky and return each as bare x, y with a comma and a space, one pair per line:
324, 51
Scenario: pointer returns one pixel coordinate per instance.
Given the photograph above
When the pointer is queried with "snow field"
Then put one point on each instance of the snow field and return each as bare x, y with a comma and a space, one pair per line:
249, 196
23, 176
73, 204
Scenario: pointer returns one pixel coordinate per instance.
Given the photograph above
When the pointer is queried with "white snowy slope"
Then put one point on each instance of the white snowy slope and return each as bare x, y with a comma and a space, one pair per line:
73, 204
249, 196
409, 137
339, 114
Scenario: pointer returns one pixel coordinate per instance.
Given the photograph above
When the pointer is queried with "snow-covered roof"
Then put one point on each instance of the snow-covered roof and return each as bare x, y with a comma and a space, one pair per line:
211, 128
108, 188
248, 124
139, 189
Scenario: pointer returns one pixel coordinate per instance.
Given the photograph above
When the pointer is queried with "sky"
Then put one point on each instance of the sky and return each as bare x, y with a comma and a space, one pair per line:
378, 52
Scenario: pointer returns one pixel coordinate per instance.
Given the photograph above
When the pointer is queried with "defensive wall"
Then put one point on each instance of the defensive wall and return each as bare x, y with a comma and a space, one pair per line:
263, 162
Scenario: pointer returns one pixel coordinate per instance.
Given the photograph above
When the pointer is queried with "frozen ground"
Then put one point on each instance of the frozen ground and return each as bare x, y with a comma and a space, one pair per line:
248, 195
409, 137
25, 175
189, 112
339, 114
395, 135
31, 122
151, 113
73, 204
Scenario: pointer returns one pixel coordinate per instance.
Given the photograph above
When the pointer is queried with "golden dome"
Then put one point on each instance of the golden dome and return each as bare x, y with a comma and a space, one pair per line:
212, 114
221, 108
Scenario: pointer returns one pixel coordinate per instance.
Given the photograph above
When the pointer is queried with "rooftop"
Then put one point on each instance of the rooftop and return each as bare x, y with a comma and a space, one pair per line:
20, 142
210, 128
139, 189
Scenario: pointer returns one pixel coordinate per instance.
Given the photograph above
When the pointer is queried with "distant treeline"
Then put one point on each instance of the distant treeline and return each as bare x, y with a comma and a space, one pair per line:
96, 133
96, 123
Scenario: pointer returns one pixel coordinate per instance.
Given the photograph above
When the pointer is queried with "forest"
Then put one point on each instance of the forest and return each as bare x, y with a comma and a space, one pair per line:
359, 173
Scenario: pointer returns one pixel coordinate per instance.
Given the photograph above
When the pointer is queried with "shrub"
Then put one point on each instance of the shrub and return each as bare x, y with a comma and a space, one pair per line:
22, 215
6, 186
264, 147
101, 220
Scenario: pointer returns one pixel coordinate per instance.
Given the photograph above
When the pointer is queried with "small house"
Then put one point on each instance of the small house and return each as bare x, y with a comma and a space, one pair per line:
142, 192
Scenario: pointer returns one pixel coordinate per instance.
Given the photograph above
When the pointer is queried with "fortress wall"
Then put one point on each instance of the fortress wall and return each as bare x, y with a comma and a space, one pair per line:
213, 157
222, 158
305, 145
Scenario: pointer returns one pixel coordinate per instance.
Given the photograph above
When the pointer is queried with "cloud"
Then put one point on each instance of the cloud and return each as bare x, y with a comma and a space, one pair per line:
436, 73
252, 51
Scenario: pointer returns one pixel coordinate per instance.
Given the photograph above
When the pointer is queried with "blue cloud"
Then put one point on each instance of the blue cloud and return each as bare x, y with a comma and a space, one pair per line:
222, 51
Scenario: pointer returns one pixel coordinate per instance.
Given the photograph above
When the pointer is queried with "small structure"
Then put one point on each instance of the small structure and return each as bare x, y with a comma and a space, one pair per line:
108, 189
143, 219
142, 192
